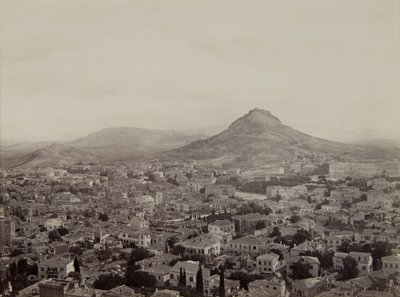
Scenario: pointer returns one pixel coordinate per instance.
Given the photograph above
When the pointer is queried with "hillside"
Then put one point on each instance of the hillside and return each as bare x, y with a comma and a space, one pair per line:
256, 138
52, 155
120, 141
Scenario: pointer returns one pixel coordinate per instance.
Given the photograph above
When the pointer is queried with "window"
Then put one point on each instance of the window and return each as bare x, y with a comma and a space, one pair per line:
191, 279
171, 276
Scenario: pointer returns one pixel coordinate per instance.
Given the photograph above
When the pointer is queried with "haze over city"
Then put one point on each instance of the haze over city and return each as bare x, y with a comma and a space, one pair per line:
70, 68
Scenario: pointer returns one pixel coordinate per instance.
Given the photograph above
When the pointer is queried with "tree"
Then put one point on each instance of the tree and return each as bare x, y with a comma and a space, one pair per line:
184, 278
108, 281
221, 282
344, 247
300, 270
22, 266
13, 270
76, 265
140, 279
138, 254
301, 236
180, 276
295, 218
350, 268
54, 235
275, 232
199, 280
63, 231
103, 217
178, 249
244, 279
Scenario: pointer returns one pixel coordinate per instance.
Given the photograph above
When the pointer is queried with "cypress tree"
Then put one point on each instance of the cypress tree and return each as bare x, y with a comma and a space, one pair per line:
180, 277
199, 280
184, 278
221, 282
77, 267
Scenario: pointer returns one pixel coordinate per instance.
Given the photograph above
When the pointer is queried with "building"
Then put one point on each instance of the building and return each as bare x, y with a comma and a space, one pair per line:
249, 222
312, 262
338, 261
308, 287
341, 170
268, 263
139, 238
222, 227
286, 193
391, 264
54, 288
206, 244
6, 231
190, 268
247, 245
57, 268
53, 224
364, 261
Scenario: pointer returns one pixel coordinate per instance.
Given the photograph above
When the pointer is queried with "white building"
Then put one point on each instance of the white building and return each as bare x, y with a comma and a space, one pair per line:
55, 268
268, 263
52, 224
391, 264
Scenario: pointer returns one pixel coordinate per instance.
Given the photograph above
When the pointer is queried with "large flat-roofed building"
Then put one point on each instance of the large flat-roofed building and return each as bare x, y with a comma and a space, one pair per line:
342, 170
206, 244
53, 288
57, 268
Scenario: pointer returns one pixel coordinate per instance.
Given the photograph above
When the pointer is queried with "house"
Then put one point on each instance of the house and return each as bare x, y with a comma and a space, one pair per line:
308, 287
160, 272
161, 259
190, 268
244, 245
333, 242
391, 264
57, 268
248, 222
140, 238
222, 226
268, 263
53, 223
274, 284
121, 291
338, 260
206, 244
211, 285
364, 261
313, 263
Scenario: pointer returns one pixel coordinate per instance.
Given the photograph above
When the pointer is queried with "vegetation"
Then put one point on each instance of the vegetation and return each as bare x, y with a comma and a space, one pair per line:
350, 269
199, 281
108, 281
244, 278
300, 270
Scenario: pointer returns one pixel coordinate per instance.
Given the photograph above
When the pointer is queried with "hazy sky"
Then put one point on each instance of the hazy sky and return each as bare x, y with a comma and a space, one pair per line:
72, 67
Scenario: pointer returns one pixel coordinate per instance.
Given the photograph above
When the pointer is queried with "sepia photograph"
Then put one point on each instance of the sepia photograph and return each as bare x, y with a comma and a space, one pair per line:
199, 148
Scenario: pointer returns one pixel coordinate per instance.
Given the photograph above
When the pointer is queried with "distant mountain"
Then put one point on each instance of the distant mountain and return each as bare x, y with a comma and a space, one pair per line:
129, 141
52, 155
120, 143
255, 139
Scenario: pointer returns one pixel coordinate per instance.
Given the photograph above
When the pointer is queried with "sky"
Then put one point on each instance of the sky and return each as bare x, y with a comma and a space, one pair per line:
69, 68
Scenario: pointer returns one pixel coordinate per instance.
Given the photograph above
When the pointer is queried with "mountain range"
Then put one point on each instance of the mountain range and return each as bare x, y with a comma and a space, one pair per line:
253, 140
